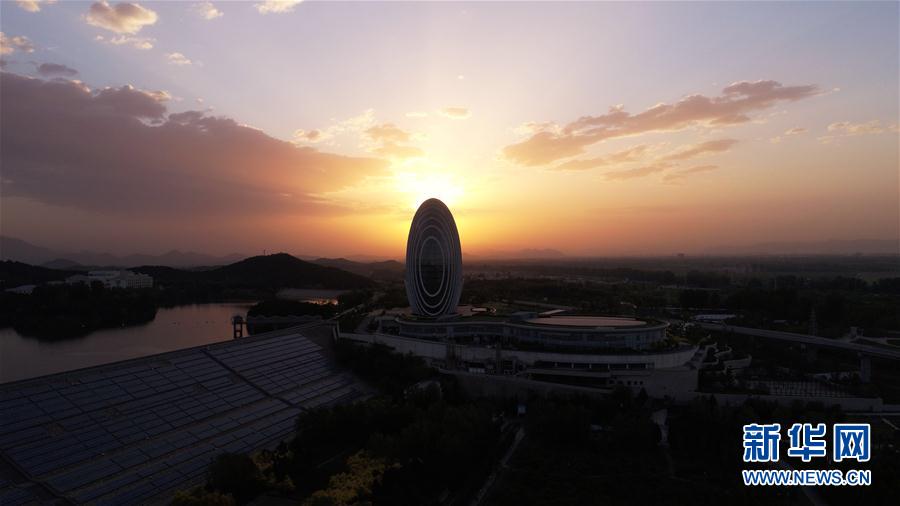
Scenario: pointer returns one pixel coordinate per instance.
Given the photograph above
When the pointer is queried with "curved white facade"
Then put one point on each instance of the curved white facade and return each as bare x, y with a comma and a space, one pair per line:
433, 261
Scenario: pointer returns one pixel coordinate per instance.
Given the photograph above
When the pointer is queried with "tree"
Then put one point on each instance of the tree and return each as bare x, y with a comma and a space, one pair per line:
237, 475
354, 485
198, 496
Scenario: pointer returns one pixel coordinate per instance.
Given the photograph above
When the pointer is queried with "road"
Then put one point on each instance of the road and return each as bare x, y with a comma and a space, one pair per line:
503, 462
823, 342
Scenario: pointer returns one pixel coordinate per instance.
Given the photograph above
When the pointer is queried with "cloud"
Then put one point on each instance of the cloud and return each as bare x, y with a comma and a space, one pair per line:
387, 132
681, 176
686, 153
33, 5
388, 140
787, 133
9, 45
277, 6
354, 124
640, 153
850, 129
383, 139
121, 40
455, 112
207, 11
312, 135
56, 70
642, 171
533, 127
120, 18
626, 155
119, 150
398, 151
178, 59
733, 106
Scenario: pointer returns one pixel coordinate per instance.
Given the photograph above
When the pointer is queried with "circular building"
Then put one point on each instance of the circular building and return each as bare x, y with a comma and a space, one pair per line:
433, 261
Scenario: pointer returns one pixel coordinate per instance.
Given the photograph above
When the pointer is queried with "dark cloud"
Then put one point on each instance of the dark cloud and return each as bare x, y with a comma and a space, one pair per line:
56, 70
734, 105
116, 150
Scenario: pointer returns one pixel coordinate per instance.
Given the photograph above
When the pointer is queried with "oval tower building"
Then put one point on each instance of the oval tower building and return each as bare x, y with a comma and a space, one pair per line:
433, 261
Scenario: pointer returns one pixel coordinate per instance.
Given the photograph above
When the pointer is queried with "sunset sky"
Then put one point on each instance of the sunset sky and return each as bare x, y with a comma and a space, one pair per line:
316, 128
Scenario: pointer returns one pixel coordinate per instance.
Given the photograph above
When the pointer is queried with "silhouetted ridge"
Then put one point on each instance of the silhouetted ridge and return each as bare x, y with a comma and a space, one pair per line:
386, 269
13, 274
288, 271
280, 270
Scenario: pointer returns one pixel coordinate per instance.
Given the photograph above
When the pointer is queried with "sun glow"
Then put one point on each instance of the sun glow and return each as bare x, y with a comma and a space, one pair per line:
420, 187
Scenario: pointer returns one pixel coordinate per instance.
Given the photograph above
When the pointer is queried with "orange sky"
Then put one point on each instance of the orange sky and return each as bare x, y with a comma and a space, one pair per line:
594, 129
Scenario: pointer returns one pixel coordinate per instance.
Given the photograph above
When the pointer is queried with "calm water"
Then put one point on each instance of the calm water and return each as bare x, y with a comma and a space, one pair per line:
172, 329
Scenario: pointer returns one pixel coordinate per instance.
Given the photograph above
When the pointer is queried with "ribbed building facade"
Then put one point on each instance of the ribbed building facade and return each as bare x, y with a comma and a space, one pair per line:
433, 261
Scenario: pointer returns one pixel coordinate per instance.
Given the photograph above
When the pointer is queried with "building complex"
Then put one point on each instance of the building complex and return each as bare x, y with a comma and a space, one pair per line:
552, 346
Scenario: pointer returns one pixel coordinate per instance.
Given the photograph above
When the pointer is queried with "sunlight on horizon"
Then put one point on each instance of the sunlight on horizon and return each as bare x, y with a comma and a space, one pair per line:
418, 188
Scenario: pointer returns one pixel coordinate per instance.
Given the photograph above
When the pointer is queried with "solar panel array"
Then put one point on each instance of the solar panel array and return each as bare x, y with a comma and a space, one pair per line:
137, 430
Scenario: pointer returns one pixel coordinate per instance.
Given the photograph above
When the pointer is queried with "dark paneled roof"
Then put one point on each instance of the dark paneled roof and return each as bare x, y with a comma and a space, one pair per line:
136, 431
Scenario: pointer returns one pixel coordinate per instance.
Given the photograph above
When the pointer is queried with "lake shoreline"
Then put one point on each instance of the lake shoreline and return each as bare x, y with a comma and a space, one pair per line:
172, 328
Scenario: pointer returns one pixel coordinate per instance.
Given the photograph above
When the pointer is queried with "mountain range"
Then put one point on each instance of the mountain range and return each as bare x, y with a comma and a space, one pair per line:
373, 267
387, 269
22, 251
261, 272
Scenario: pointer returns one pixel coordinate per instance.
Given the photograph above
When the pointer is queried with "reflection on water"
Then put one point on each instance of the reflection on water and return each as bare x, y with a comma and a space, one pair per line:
172, 329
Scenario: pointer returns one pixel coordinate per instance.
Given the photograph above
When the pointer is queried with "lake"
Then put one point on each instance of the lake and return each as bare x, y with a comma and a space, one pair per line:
172, 329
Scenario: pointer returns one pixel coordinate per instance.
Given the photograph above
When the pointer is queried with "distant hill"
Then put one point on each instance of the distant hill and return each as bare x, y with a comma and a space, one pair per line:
280, 270
23, 251
165, 275
288, 271
13, 274
62, 263
388, 269
828, 247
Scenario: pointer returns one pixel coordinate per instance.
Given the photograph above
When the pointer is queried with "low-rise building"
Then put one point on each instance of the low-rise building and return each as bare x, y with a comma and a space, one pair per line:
113, 279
